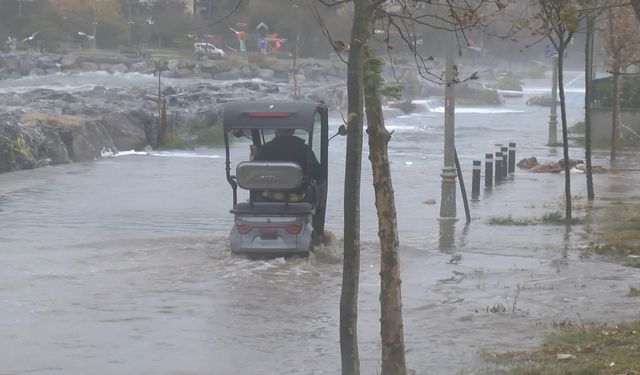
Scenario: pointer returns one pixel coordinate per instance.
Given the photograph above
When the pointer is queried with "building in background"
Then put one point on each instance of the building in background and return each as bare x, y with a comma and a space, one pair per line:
202, 8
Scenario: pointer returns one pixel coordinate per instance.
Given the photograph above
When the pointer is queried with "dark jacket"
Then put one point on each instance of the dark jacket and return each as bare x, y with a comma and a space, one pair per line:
290, 148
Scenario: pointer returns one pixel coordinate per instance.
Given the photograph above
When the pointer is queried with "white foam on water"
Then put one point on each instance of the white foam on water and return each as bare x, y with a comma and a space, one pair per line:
402, 127
130, 152
166, 154
546, 90
18, 89
479, 110
180, 154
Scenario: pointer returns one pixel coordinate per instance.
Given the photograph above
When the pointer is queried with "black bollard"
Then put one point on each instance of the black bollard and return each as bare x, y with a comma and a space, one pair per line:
475, 180
505, 161
498, 162
488, 170
512, 157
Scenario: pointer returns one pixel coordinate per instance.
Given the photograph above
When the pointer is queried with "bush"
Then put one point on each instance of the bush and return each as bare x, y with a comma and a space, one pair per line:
535, 71
208, 136
174, 142
471, 95
203, 133
109, 35
509, 82
578, 128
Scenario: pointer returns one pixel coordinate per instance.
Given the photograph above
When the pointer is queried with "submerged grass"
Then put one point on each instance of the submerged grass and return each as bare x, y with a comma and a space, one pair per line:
579, 350
635, 263
510, 220
587, 349
554, 218
619, 249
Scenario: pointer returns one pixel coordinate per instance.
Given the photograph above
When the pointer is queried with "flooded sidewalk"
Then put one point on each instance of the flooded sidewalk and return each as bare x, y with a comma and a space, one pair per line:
124, 266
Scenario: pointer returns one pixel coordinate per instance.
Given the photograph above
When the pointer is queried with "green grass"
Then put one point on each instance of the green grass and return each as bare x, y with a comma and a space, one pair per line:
598, 349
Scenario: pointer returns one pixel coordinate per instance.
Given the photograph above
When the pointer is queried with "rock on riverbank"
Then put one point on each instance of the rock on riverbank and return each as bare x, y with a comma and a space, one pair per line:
40, 139
43, 126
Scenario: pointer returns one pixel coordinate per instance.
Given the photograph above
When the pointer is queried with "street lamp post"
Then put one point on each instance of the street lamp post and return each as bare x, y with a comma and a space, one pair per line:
94, 25
448, 189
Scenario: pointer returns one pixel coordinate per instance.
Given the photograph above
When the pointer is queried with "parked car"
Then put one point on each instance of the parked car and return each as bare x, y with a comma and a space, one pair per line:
208, 49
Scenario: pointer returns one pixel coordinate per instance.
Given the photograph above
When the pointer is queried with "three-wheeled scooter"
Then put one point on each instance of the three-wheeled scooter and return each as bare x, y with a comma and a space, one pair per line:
282, 226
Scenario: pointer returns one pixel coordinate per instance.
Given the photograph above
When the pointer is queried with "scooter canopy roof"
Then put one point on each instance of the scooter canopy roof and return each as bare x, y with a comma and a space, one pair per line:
270, 114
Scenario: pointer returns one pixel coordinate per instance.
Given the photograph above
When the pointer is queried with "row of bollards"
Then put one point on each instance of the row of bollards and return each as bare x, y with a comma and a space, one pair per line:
504, 162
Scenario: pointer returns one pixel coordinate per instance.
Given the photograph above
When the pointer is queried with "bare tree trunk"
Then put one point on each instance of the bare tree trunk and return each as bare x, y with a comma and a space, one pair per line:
615, 120
353, 165
588, 76
565, 138
391, 326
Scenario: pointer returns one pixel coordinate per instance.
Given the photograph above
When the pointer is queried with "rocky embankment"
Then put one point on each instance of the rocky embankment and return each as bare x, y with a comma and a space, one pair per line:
49, 123
41, 125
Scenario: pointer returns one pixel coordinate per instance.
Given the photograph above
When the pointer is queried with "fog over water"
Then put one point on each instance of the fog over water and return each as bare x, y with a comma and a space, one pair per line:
122, 265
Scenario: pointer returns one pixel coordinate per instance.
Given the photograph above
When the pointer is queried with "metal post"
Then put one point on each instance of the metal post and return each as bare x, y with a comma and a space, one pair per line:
463, 190
553, 123
448, 189
588, 87
161, 125
295, 93
130, 24
475, 180
488, 170
498, 175
94, 26
505, 161
512, 157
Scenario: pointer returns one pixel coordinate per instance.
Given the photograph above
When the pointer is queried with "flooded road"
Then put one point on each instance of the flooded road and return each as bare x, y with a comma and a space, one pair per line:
122, 266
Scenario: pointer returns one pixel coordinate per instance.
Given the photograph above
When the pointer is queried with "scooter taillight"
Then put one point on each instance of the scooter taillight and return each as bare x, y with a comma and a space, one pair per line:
244, 228
269, 114
293, 228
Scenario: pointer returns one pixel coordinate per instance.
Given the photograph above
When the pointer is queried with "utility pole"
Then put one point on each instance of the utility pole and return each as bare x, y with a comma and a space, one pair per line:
448, 189
296, 92
130, 23
553, 123
162, 110
94, 24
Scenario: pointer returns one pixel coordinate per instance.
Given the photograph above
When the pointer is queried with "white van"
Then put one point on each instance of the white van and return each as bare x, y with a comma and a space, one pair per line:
208, 48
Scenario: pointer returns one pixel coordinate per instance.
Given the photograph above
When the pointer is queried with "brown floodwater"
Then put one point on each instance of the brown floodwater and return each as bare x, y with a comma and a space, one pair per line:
122, 266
